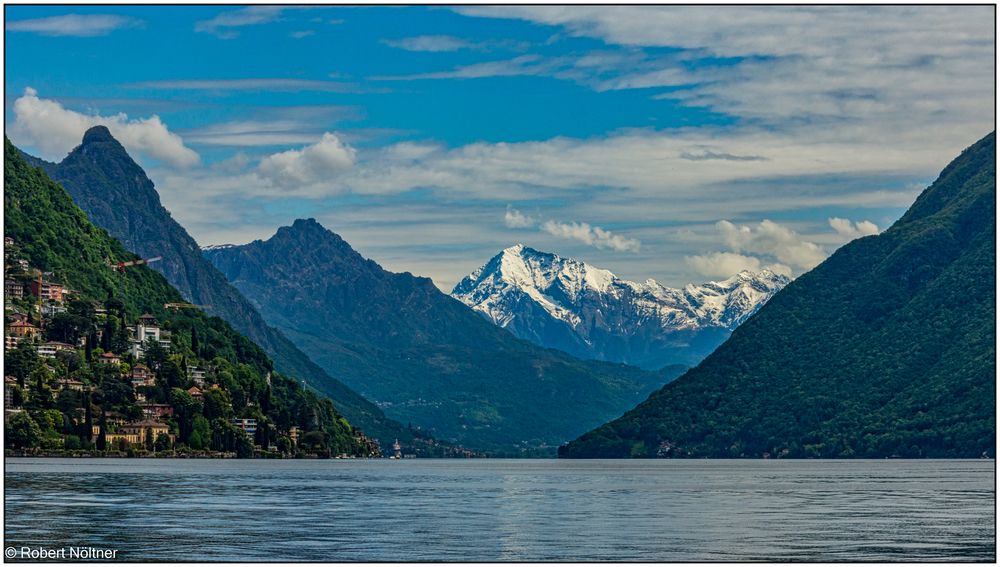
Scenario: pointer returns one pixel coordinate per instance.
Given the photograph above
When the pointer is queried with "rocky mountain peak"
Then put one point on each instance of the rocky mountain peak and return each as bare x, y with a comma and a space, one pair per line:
98, 134
590, 312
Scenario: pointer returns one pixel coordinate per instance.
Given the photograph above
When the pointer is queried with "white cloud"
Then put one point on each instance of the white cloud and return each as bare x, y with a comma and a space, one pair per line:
591, 235
432, 43
55, 130
850, 231
253, 84
301, 34
247, 133
514, 218
583, 232
223, 24
726, 264
772, 239
770, 245
447, 43
312, 164
518, 66
873, 67
79, 25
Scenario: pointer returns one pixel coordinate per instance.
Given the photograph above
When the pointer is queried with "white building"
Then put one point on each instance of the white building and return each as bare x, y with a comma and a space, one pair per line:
197, 374
147, 329
49, 349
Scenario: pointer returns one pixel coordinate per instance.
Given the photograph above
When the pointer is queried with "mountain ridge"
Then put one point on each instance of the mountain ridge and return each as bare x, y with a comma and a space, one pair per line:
419, 353
590, 313
116, 195
886, 349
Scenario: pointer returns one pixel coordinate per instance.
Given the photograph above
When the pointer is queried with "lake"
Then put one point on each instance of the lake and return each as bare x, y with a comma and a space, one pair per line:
505, 510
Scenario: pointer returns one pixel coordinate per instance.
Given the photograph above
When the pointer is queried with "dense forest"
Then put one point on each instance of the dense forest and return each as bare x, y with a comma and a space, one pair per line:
886, 349
83, 377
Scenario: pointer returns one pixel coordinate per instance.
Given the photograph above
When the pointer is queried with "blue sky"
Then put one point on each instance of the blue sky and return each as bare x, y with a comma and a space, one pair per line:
675, 143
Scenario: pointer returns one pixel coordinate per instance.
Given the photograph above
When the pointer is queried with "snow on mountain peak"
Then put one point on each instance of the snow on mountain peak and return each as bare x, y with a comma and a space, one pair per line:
218, 246
580, 294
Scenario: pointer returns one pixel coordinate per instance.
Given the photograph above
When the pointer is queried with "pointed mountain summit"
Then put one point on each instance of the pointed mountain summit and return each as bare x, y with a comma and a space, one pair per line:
98, 134
117, 195
417, 352
887, 348
589, 312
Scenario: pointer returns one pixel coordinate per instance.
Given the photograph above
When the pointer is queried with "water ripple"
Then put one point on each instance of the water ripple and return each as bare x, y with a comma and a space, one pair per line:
506, 510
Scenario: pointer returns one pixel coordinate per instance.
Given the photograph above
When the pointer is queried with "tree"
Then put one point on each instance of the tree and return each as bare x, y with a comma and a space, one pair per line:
41, 394
70, 359
228, 437
162, 442
88, 416
90, 345
22, 431
81, 308
108, 333
102, 434
67, 328
171, 374
201, 433
21, 361
314, 441
185, 410
67, 401
217, 404
195, 344
149, 439
120, 338
51, 421
114, 393
153, 354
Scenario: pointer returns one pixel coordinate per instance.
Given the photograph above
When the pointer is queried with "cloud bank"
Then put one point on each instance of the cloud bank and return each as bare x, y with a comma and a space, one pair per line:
850, 231
77, 25
580, 231
311, 164
55, 130
591, 235
771, 245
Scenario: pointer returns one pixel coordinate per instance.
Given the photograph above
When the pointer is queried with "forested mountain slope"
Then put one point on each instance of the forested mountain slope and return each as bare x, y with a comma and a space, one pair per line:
116, 195
885, 349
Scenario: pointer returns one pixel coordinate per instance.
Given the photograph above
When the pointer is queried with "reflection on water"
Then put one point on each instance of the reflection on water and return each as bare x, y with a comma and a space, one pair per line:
505, 510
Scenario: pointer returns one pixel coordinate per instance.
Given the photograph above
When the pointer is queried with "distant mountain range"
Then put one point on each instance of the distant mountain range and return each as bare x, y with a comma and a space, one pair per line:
591, 313
116, 194
885, 349
888, 348
420, 354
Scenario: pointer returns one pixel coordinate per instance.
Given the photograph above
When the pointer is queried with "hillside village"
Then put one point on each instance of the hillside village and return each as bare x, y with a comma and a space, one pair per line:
83, 376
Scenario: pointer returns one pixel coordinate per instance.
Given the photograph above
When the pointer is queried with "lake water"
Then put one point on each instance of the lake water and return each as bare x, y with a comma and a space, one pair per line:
505, 510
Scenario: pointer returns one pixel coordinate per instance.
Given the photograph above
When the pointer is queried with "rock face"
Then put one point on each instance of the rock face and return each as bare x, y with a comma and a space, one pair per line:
591, 313
117, 196
888, 348
420, 354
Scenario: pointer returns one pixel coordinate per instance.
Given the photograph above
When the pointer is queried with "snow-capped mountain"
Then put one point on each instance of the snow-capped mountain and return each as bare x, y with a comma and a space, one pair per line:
591, 313
212, 247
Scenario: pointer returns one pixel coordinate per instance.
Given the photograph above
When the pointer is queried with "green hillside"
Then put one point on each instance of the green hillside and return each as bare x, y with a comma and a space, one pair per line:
885, 349
116, 195
59, 399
